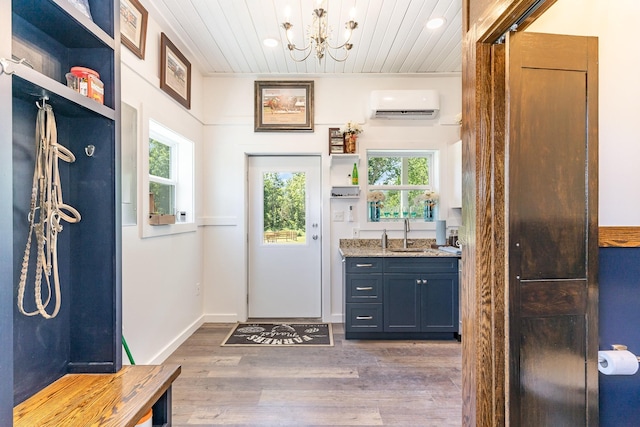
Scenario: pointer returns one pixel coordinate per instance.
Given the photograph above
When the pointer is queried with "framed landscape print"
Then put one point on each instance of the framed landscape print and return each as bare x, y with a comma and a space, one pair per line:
175, 72
283, 106
133, 26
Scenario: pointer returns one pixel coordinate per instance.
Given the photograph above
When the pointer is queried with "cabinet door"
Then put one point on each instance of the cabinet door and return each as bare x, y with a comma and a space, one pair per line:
439, 303
401, 302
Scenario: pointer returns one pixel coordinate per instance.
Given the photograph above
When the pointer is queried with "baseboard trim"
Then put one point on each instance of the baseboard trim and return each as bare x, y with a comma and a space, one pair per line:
163, 354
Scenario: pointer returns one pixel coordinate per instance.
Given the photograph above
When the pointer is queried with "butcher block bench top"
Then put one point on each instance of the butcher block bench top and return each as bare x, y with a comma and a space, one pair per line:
117, 400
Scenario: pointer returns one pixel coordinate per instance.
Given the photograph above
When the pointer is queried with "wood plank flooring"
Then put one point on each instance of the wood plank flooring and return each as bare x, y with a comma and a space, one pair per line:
353, 383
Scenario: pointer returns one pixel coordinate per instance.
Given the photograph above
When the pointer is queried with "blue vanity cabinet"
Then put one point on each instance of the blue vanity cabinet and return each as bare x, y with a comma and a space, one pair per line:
401, 298
363, 295
421, 294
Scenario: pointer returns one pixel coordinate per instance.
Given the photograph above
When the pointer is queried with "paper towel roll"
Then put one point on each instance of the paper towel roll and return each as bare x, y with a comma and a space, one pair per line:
441, 232
617, 362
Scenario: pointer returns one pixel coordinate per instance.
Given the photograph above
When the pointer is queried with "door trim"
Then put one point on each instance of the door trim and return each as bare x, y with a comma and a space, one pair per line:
483, 349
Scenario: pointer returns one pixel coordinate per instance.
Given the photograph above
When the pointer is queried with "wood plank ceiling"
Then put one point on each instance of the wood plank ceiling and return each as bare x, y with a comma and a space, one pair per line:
226, 36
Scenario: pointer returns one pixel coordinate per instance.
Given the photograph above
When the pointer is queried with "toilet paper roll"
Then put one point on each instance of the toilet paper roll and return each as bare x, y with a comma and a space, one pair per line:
441, 232
617, 362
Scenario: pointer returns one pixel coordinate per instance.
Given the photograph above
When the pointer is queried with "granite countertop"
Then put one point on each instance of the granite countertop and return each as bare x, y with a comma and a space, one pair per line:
371, 248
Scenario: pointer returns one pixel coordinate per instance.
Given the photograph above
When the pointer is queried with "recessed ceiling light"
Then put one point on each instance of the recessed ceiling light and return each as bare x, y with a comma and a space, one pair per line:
434, 23
270, 42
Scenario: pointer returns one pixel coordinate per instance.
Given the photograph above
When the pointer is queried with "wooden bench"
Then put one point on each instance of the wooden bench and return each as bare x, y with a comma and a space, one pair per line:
118, 400
286, 235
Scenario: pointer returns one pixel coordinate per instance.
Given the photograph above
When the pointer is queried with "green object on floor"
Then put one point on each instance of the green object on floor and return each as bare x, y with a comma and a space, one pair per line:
126, 349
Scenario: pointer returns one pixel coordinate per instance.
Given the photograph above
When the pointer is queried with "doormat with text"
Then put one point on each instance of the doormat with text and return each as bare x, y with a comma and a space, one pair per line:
280, 334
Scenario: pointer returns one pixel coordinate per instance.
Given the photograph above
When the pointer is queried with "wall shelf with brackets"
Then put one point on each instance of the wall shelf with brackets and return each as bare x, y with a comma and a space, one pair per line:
345, 192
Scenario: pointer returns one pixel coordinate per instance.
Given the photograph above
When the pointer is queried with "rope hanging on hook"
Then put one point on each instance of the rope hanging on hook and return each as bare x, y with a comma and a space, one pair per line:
47, 210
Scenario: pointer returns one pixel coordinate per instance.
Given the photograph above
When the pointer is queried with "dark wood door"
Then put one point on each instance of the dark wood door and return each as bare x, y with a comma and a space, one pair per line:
551, 92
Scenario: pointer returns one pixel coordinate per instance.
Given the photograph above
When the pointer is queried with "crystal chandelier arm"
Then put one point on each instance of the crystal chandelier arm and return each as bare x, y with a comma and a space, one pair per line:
346, 55
349, 25
301, 59
290, 44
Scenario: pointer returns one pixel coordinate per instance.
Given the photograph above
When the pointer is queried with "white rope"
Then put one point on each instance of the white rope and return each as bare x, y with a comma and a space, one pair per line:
47, 205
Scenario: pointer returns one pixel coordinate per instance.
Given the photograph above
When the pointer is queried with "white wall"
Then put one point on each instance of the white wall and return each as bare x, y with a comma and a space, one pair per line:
619, 96
159, 275
229, 137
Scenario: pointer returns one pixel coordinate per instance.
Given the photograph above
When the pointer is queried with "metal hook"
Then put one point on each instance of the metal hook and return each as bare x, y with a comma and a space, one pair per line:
90, 150
44, 100
3, 65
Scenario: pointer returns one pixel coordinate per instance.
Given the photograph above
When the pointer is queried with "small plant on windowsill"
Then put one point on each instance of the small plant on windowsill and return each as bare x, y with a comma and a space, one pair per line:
376, 196
430, 199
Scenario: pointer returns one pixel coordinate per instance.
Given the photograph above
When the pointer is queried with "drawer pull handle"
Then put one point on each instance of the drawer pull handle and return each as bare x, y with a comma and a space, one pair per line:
364, 288
364, 265
364, 317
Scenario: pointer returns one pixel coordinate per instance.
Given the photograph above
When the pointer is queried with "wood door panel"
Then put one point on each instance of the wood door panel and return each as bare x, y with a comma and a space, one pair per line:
552, 206
548, 185
553, 298
552, 371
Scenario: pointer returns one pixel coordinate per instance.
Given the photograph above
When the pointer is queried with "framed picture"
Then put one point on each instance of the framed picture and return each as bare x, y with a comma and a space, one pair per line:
336, 141
175, 72
133, 26
283, 106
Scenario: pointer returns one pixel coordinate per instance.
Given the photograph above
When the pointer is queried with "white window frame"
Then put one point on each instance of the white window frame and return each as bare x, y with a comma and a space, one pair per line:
433, 167
182, 176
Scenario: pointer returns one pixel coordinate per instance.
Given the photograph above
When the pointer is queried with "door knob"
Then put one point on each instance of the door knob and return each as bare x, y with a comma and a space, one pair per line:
315, 237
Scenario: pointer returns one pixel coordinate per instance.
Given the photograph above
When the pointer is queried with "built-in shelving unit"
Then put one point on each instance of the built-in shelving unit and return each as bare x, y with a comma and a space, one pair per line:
50, 37
341, 167
345, 159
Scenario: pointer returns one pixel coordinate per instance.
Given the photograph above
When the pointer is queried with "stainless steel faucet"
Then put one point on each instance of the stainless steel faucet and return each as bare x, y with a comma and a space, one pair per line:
406, 230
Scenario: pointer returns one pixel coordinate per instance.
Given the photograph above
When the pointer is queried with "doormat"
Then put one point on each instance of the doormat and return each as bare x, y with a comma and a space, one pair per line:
280, 334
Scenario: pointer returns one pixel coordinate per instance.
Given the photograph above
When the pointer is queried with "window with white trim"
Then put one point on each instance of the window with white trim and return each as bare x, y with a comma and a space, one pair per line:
170, 177
399, 180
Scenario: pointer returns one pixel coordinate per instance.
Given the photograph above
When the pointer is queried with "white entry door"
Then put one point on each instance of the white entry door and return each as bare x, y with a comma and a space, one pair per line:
284, 236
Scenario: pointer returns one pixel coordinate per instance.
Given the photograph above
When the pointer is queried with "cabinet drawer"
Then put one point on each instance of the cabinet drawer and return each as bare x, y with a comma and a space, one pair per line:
363, 287
363, 265
364, 318
421, 265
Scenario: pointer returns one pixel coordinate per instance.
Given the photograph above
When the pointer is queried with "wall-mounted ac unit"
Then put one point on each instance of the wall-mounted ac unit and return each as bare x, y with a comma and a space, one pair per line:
405, 104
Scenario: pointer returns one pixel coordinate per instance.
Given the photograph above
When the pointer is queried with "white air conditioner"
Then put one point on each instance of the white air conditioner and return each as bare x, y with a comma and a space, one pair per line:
405, 104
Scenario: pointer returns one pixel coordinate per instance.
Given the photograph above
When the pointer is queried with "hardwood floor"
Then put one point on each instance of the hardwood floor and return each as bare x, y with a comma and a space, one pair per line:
353, 383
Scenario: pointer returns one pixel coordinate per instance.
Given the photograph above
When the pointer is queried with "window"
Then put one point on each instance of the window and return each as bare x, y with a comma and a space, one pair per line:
162, 176
170, 179
400, 178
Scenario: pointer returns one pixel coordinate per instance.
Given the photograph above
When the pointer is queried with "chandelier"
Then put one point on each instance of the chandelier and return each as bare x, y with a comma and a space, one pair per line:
318, 33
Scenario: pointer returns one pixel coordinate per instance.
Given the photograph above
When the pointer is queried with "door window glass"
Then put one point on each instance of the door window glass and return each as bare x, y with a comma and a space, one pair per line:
284, 207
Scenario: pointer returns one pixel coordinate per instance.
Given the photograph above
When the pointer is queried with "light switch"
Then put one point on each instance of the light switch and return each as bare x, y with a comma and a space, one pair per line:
338, 216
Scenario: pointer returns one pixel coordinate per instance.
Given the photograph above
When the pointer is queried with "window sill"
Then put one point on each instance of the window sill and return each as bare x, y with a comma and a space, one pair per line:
149, 230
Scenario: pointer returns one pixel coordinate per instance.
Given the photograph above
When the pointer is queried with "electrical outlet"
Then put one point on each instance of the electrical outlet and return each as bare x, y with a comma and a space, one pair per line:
197, 289
338, 216
356, 233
